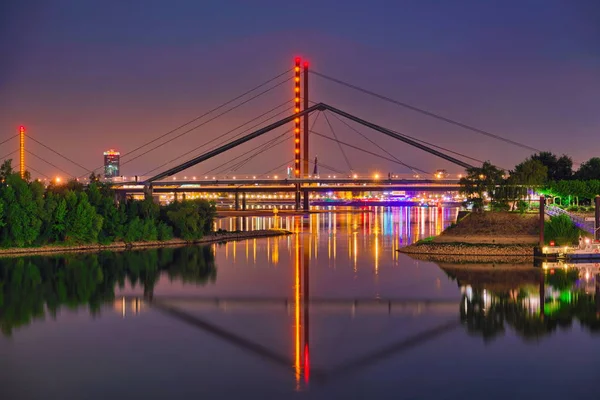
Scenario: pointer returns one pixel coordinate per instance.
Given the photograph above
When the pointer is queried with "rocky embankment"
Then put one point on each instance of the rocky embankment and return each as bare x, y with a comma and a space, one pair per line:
499, 237
117, 246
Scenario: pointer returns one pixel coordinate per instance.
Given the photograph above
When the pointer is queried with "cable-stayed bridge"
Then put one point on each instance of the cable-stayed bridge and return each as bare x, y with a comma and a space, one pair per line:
291, 120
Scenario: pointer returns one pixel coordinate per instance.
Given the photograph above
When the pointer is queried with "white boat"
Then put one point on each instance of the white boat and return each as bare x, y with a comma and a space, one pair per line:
586, 250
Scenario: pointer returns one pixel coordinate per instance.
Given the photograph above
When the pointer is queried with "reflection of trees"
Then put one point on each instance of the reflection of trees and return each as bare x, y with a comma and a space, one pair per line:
487, 313
30, 287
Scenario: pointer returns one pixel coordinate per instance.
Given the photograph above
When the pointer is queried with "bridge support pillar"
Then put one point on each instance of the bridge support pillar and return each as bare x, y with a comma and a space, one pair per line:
597, 218
148, 191
297, 199
244, 201
542, 216
237, 200
306, 204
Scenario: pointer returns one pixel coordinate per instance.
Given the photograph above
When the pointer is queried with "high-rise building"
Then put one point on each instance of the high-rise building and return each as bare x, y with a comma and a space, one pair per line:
111, 163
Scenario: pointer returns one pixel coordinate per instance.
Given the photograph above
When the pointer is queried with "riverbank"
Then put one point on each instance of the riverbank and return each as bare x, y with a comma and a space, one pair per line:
501, 237
119, 246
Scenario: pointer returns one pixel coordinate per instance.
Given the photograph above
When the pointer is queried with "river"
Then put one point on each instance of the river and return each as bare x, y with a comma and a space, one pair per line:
333, 311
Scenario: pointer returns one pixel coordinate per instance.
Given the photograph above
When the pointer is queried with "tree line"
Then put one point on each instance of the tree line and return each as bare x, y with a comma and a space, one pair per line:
32, 214
544, 172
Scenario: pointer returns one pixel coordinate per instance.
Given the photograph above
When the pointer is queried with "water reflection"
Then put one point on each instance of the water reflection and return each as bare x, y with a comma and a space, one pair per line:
532, 302
32, 287
305, 310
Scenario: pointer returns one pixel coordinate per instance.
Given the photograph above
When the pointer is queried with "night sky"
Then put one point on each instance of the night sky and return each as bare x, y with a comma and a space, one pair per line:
85, 76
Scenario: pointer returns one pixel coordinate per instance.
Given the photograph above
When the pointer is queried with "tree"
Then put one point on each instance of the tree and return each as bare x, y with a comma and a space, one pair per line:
6, 170
21, 221
530, 173
191, 219
82, 223
559, 168
589, 169
481, 181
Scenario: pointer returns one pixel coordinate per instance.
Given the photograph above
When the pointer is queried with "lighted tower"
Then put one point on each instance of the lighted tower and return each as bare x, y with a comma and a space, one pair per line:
297, 119
22, 151
305, 118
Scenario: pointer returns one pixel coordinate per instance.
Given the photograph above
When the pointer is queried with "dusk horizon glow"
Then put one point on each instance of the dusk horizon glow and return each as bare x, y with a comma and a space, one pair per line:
84, 78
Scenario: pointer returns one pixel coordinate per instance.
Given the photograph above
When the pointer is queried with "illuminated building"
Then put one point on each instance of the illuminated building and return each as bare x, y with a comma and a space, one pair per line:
111, 163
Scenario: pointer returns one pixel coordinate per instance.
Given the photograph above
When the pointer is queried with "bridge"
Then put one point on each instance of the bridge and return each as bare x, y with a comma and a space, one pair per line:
298, 125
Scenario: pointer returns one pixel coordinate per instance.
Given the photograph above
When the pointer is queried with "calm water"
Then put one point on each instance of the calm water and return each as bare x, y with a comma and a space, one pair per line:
331, 312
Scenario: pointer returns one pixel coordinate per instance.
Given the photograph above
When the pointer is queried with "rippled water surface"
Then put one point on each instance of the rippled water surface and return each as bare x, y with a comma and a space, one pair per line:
332, 311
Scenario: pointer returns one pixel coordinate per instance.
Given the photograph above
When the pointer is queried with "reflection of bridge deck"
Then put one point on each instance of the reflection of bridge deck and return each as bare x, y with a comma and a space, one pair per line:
353, 302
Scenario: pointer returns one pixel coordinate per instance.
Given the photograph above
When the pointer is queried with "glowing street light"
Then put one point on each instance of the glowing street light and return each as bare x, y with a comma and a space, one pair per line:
376, 176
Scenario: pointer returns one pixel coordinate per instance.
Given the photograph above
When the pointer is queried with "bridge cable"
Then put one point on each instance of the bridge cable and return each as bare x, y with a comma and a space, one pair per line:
418, 140
27, 167
49, 163
208, 112
340, 146
359, 149
227, 133
428, 113
203, 115
9, 139
264, 147
267, 146
413, 169
60, 155
204, 123
4, 157
313, 124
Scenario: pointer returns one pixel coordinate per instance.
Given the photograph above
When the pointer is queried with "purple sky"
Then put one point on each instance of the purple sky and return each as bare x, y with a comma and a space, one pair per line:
84, 76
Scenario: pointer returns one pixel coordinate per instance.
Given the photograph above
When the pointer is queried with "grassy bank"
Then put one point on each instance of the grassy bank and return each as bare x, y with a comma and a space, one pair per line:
482, 237
116, 246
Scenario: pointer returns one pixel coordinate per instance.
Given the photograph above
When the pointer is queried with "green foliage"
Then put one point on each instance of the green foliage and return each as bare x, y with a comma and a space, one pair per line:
589, 169
480, 181
572, 190
561, 230
164, 231
558, 168
522, 206
529, 173
21, 214
191, 219
73, 214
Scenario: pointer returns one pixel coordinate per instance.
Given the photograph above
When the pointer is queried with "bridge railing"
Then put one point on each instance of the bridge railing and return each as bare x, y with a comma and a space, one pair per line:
579, 221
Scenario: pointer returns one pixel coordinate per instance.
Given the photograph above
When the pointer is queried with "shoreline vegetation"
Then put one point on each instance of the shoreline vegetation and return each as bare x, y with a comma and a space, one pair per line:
68, 216
216, 237
496, 237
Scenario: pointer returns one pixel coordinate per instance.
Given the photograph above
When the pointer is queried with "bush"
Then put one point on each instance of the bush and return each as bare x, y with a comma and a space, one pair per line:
165, 232
561, 230
134, 230
573, 208
522, 206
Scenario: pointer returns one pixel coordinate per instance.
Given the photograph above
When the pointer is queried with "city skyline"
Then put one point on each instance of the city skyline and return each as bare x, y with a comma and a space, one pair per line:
85, 81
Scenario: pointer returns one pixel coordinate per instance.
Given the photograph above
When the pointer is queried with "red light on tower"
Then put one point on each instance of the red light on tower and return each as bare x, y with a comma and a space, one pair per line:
22, 151
297, 157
